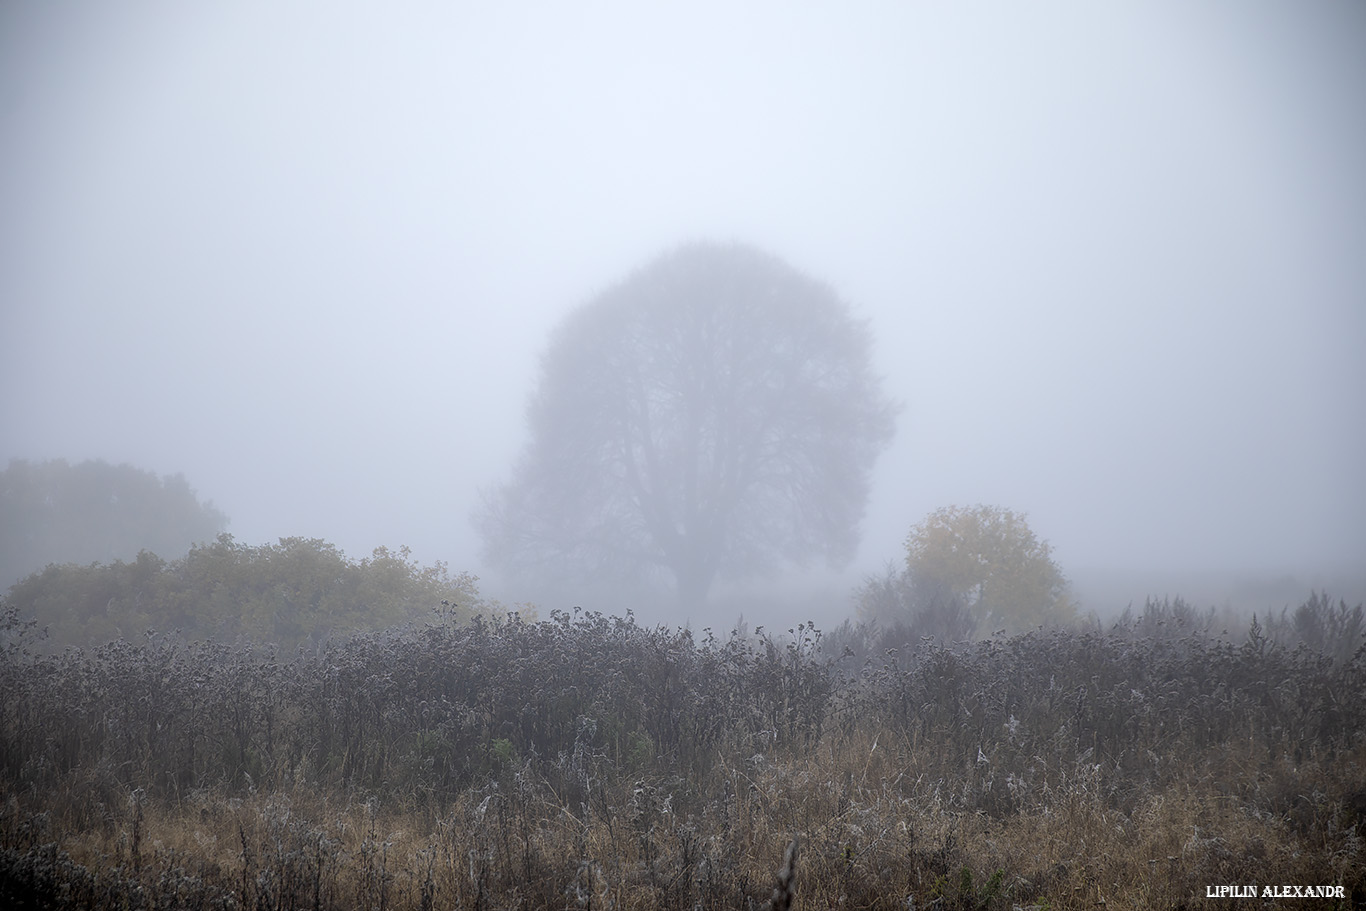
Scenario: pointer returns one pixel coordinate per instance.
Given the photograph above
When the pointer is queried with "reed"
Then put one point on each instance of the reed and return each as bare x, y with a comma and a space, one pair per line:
589, 762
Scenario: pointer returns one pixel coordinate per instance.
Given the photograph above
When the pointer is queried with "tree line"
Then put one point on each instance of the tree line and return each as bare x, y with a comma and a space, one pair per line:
56, 512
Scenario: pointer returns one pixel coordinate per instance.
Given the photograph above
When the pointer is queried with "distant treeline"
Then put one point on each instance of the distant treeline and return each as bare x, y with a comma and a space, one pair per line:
298, 591
56, 512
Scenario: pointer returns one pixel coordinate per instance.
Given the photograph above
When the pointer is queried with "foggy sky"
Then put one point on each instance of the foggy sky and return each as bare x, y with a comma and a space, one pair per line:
1114, 255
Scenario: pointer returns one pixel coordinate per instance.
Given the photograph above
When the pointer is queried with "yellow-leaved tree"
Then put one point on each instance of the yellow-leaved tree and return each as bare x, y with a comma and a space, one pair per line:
990, 561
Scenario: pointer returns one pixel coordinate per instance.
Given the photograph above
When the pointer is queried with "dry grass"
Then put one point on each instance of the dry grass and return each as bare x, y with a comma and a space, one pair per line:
874, 834
947, 781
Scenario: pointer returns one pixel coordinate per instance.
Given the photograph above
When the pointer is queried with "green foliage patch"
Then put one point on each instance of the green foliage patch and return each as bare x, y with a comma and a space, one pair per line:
296, 592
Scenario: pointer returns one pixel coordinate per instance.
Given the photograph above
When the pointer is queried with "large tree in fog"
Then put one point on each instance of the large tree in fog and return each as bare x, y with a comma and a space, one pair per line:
715, 415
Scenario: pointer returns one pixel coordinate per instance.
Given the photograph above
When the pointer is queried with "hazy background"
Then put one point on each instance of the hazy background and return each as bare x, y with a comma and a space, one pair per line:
308, 254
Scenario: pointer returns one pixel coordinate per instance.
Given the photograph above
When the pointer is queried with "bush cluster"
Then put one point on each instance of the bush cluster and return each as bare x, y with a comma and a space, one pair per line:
296, 592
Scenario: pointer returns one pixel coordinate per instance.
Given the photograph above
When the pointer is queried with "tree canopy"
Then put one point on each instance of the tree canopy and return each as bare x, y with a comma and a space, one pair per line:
55, 512
990, 560
715, 415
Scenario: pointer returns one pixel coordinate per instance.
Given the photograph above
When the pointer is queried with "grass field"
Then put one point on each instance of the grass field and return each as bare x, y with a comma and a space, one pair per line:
589, 762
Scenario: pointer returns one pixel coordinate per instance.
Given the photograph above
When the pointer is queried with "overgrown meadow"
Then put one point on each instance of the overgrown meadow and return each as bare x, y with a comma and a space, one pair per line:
591, 762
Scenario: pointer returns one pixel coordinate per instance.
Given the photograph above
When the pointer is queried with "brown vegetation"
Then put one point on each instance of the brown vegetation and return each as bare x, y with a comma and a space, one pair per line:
588, 762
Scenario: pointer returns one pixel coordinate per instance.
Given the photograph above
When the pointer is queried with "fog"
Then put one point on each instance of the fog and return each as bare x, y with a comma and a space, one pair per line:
1114, 255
